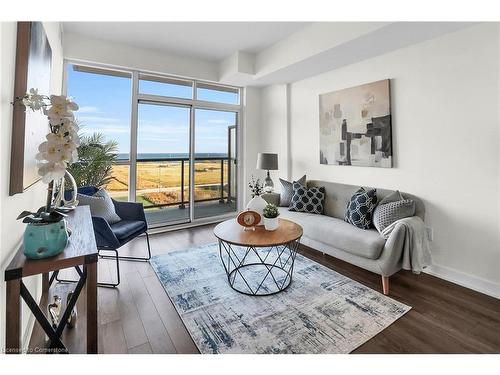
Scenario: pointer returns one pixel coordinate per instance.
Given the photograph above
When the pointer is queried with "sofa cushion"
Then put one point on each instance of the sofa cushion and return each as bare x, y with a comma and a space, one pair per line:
307, 200
338, 234
360, 208
287, 190
392, 197
127, 228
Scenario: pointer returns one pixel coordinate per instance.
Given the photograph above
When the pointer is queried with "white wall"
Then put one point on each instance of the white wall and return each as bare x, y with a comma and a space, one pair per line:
275, 129
83, 48
251, 139
10, 229
445, 97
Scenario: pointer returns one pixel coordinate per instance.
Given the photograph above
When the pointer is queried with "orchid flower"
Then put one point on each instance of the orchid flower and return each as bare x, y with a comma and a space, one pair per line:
33, 100
61, 143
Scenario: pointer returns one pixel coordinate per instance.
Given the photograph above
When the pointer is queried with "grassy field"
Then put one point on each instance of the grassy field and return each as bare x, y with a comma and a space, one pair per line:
160, 182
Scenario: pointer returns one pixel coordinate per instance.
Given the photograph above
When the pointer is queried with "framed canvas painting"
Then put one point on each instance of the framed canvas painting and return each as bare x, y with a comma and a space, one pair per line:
33, 67
355, 126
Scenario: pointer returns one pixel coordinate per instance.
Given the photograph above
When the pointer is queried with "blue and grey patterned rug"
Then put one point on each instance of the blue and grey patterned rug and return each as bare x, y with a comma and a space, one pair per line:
321, 312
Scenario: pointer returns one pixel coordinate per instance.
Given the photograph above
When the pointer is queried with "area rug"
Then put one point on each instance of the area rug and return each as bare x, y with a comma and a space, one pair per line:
321, 312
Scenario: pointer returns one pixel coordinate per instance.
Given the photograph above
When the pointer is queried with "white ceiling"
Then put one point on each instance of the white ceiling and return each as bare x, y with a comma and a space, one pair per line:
204, 40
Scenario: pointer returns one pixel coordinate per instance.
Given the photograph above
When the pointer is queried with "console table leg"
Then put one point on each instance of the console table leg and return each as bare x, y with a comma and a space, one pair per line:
45, 282
92, 308
13, 316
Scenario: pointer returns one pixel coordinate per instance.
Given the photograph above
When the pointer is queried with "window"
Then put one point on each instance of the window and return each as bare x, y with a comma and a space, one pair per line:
184, 166
218, 94
175, 88
104, 99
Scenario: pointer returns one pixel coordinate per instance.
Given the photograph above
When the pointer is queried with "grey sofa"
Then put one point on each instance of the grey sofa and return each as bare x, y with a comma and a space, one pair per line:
330, 234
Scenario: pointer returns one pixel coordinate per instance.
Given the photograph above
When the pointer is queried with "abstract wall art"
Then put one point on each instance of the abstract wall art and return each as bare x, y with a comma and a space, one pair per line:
33, 69
355, 126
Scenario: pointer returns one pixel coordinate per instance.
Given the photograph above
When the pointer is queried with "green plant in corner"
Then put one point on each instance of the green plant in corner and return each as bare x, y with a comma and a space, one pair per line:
270, 211
96, 158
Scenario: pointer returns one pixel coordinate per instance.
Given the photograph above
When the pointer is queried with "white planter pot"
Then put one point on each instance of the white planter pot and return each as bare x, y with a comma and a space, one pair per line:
257, 204
271, 224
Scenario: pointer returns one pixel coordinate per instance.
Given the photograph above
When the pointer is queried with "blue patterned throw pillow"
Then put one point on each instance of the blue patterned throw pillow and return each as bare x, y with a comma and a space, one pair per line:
310, 200
287, 190
360, 208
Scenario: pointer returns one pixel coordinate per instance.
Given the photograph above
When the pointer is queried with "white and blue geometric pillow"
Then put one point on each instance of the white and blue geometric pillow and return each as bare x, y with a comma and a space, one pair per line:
310, 200
360, 208
100, 205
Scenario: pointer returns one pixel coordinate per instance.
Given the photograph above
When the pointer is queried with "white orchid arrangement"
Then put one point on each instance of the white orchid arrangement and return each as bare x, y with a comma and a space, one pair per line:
58, 150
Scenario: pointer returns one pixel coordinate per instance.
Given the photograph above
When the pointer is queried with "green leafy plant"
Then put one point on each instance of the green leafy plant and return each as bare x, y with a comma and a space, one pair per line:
270, 211
96, 158
256, 187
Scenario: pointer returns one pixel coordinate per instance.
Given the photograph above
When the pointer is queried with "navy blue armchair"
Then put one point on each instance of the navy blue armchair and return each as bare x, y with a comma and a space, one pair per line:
110, 237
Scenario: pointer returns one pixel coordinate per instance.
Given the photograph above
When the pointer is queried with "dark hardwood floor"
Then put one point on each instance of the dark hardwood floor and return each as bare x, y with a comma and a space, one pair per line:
138, 317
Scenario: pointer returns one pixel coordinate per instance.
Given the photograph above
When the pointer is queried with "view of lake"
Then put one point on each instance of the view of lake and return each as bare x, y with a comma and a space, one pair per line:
169, 156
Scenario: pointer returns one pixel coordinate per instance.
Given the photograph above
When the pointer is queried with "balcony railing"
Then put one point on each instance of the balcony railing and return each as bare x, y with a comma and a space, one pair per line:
164, 182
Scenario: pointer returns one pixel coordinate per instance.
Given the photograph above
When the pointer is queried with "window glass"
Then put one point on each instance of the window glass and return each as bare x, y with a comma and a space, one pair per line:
218, 94
117, 186
212, 179
162, 131
165, 87
104, 99
162, 183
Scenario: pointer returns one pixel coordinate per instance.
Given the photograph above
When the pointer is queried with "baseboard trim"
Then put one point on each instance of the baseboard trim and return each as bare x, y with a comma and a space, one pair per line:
468, 281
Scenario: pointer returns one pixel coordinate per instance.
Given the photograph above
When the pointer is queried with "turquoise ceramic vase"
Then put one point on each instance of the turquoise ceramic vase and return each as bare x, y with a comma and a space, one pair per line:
44, 240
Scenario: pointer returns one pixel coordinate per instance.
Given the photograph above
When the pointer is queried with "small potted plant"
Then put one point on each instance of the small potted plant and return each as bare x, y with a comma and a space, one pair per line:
271, 214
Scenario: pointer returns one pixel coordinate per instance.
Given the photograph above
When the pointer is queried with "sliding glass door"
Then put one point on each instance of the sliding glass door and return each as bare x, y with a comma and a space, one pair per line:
162, 175
175, 140
214, 160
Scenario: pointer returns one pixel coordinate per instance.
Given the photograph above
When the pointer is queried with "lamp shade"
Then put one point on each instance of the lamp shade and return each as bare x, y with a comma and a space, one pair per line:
267, 161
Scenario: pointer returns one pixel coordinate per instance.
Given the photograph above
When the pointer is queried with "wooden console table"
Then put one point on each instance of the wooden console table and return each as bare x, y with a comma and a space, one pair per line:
81, 251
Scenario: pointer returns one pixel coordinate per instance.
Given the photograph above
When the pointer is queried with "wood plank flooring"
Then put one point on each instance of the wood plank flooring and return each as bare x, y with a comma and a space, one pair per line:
138, 317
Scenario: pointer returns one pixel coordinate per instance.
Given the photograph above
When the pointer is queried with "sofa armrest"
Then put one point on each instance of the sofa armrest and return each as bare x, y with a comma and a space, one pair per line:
390, 260
273, 198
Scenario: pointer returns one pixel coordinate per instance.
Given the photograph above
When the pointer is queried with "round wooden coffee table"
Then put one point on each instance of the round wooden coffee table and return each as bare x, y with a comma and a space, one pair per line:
258, 262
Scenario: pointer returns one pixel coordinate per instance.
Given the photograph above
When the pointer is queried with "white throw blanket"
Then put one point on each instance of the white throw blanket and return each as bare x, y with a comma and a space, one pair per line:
416, 249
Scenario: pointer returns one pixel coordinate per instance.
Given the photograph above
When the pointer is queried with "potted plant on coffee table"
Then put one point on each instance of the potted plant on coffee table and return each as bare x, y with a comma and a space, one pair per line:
271, 214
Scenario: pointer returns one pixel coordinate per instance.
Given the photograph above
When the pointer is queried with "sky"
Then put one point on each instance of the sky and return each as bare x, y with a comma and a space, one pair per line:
105, 107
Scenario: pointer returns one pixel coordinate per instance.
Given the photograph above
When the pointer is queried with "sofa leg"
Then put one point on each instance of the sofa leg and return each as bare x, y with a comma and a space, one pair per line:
385, 284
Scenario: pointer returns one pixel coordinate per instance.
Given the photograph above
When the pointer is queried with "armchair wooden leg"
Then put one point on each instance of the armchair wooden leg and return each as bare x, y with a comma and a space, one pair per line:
385, 284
